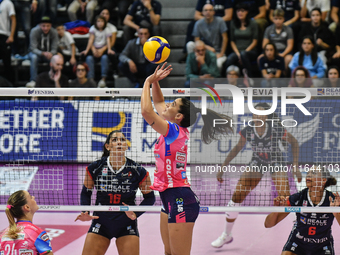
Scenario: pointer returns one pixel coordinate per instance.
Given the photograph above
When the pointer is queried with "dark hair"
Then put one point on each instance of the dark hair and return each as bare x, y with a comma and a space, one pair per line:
333, 67
267, 107
145, 27
314, 53
102, 18
59, 24
308, 81
87, 69
17, 200
107, 141
316, 9
209, 133
105, 8
330, 179
237, 22
275, 49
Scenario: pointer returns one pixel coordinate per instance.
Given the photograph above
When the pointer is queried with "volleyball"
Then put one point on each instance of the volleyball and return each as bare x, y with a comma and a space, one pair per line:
156, 49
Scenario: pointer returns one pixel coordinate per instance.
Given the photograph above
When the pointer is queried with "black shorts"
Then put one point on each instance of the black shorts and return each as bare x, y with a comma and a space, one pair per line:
114, 228
300, 248
181, 204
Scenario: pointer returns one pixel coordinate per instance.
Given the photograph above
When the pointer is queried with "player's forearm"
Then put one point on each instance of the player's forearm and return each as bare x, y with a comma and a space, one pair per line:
274, 218
157, 95
233, 153
337, 216
146, 105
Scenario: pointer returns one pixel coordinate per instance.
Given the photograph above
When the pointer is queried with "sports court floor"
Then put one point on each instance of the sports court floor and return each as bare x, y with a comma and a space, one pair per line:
250, 236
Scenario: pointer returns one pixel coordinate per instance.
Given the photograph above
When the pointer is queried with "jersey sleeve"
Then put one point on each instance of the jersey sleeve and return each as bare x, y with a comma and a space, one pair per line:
92, 30
143, 174
172, 134
43, 243
91, 169
294, 199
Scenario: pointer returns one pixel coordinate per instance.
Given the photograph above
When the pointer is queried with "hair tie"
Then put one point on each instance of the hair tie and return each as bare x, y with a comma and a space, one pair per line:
9, 207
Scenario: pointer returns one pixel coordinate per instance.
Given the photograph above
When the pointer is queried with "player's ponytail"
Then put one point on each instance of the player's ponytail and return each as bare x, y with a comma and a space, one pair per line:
14, 210
209, 132
330, 179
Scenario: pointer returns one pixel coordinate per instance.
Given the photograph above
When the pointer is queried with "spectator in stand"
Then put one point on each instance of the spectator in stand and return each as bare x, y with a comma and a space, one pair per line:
243, 39
271, 66
308, 5
66, 45
291, 10
233, 76
123, 6
113, 30
212, 30
335, 59
132, 62
257, 12
335, 12
308, 57
301, 78
81, 70
43, 45
99, 43
201, 64
89, 6
333, 76
7, 30
53, 78
23, 9
223, 9
319, 31
46, 8
145, 13
280, 35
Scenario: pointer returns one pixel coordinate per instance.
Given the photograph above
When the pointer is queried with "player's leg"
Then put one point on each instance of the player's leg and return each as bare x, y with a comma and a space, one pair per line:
165, 233
95, 244
180, 235
128, 245
247, 182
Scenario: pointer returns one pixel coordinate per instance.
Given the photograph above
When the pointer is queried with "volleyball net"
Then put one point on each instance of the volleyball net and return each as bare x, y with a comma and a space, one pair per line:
46, 144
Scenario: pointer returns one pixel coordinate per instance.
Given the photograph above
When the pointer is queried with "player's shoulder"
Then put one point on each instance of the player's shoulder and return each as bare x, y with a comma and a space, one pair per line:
133, 166
32, 230
98, 163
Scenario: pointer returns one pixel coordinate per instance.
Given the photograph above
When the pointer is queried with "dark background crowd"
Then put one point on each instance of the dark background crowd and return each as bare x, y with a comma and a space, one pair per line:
94, 43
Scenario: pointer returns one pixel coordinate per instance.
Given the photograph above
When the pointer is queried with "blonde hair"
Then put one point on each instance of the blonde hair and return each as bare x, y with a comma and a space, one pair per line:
279, 13
16, 201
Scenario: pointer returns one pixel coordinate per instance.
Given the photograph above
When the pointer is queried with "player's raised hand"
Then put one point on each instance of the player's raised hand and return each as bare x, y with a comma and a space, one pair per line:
130, 214
85, 217
280, 201
219, 176
160, 73
336, 201
297, 172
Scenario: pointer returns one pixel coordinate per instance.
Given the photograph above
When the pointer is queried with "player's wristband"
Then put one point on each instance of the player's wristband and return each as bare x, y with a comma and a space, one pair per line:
151, 9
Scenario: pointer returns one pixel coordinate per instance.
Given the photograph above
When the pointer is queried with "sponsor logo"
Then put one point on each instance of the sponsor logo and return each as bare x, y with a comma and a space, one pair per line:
324, 216
180, 156
180, 165
184, 175
321, 92
157, 155
105, 171
25, 252
168, 168
305, 203
124, 208
303, 220
49, 207
40, 92
179, 202
328, 92
45, 237
178, 91
292, 209
204, 209
298, 235
315, 240
112, 92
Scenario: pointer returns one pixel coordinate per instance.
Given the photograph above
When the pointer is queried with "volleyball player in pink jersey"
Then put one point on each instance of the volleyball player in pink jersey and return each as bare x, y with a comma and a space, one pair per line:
23, 237
180, 204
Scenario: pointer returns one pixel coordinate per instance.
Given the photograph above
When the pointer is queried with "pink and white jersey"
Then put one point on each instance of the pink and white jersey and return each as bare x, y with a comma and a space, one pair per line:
171, 159
31, 240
